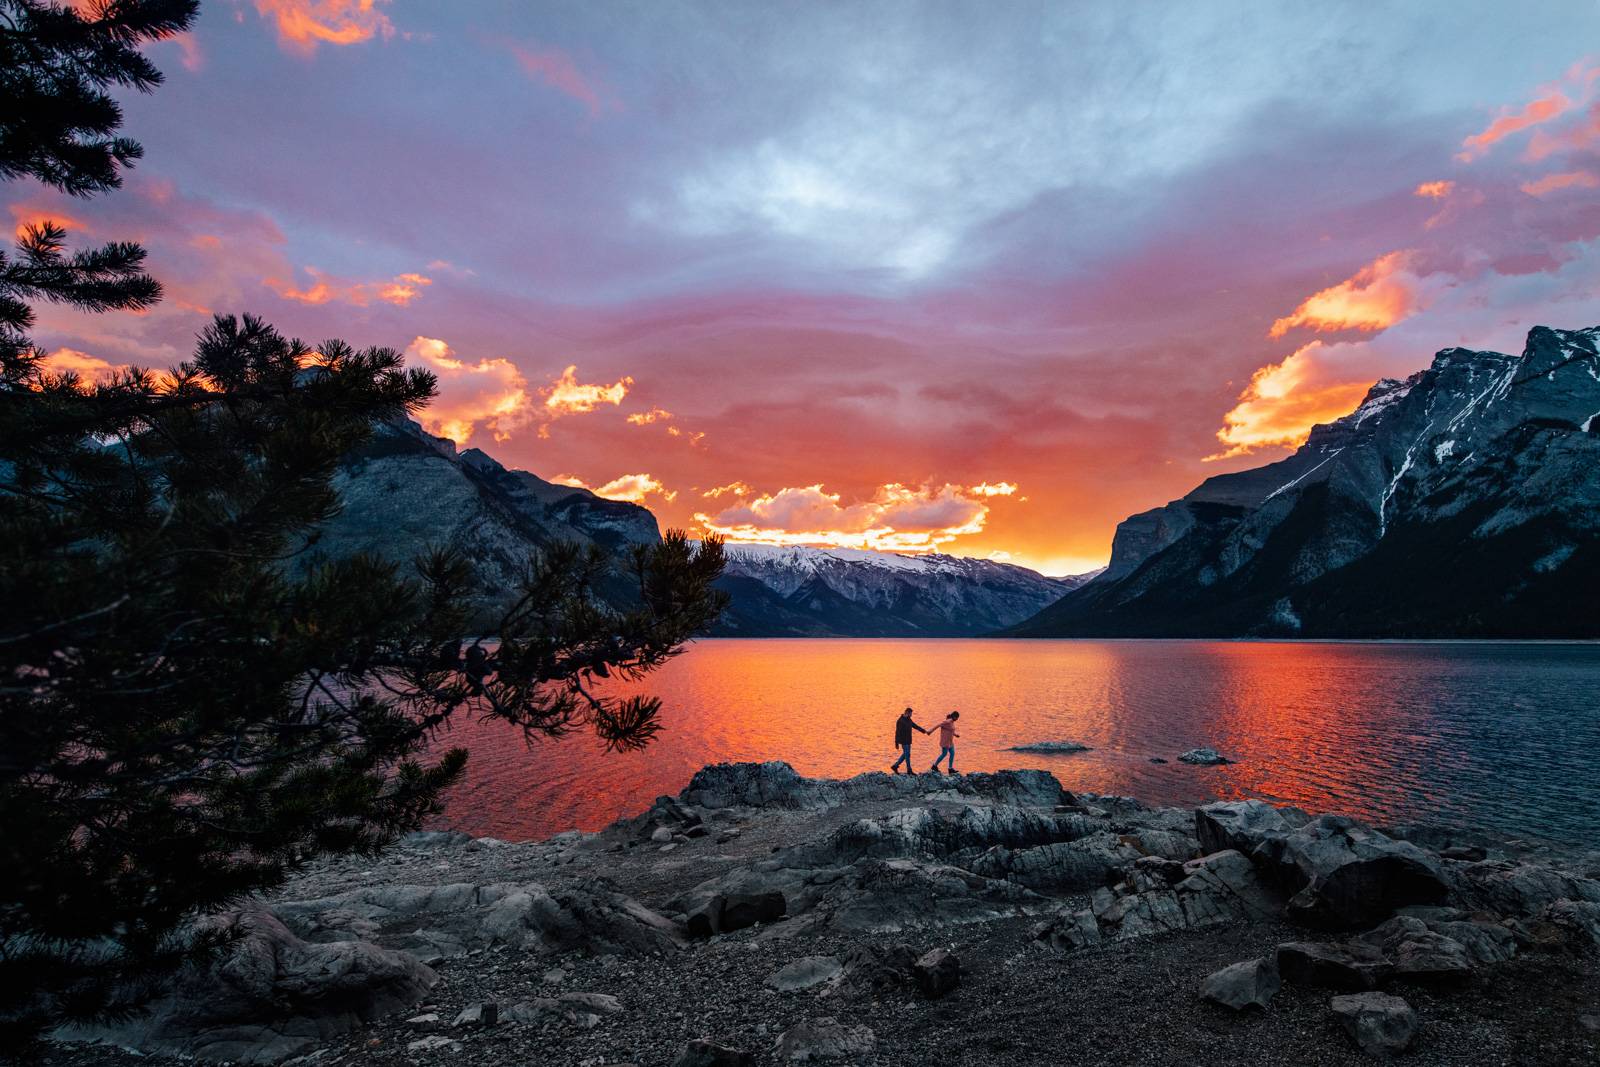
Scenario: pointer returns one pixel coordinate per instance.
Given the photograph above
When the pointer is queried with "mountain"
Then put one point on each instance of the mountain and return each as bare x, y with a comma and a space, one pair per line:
1463, 501
843, 592
406, 490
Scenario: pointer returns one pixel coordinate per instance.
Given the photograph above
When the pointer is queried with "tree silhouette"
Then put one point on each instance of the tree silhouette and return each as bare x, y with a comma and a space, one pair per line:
187, 712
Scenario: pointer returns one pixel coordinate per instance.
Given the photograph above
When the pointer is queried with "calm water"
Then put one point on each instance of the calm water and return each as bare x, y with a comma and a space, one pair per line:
1500, 735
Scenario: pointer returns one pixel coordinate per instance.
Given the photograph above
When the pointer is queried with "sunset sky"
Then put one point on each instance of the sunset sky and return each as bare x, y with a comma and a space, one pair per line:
979, 277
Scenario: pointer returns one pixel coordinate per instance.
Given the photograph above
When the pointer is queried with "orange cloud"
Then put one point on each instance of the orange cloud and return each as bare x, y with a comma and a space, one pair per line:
1538, 111
1572, 179
645, 418
304, 24
567, 396
491, 392
555, 69
399, 290
1284, 401
1435, 190
90, 369
1373, 298
898, 518
26, 215
632, 488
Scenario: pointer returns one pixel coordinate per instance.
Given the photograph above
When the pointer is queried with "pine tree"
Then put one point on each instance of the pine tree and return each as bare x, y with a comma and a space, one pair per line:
188, 713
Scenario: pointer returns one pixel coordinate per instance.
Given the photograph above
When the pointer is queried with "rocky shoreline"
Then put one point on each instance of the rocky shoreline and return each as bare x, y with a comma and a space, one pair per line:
760, 917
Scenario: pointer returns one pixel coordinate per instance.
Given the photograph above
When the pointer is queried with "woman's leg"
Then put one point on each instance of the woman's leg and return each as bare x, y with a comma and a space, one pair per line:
951, 751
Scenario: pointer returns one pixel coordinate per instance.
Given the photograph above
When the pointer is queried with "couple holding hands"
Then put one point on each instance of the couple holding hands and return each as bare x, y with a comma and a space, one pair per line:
947, 741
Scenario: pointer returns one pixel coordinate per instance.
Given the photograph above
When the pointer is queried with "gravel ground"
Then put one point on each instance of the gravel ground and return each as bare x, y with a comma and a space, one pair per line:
1125, 1003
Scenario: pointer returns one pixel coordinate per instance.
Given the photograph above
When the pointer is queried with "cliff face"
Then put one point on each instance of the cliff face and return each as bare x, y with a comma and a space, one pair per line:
1464, 501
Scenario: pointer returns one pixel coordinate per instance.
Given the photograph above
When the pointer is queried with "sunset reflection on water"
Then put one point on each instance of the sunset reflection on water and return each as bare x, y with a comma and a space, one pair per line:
1503, 735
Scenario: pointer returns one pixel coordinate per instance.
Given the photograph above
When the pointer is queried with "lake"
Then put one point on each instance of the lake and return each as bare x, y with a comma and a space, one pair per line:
1502, 735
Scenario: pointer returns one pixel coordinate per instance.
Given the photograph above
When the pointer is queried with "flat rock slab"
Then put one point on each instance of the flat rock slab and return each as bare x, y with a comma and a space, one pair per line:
803, 973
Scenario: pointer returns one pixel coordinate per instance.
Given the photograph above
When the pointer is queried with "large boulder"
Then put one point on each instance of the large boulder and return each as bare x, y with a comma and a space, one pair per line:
1240, 825
1379, 1024
436, 922
737, 909
1352, 965
1579, 918
1517, 889
1160, 896
1346, 875
271, 996
871, 970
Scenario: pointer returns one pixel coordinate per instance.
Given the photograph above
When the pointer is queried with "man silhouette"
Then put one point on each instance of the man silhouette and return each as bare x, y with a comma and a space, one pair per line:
902, 740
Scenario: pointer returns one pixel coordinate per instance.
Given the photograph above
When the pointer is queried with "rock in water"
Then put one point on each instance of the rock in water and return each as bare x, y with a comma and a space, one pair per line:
1380, 1025
703, 1053
803, 973
1204, 757
825, 1039
1048, 748
937, 972
1251, 984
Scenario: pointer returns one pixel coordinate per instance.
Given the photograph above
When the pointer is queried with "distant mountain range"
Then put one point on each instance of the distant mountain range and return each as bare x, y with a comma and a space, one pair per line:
1463, 501
831, 592
406, 490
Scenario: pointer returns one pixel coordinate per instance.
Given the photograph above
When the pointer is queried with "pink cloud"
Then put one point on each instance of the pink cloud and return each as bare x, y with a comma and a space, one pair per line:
1572, 179
1535, 112
556, 69
1576, 138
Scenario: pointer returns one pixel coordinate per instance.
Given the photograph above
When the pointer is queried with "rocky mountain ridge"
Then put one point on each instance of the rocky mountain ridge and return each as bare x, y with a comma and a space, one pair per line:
1462, 501
828, 592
